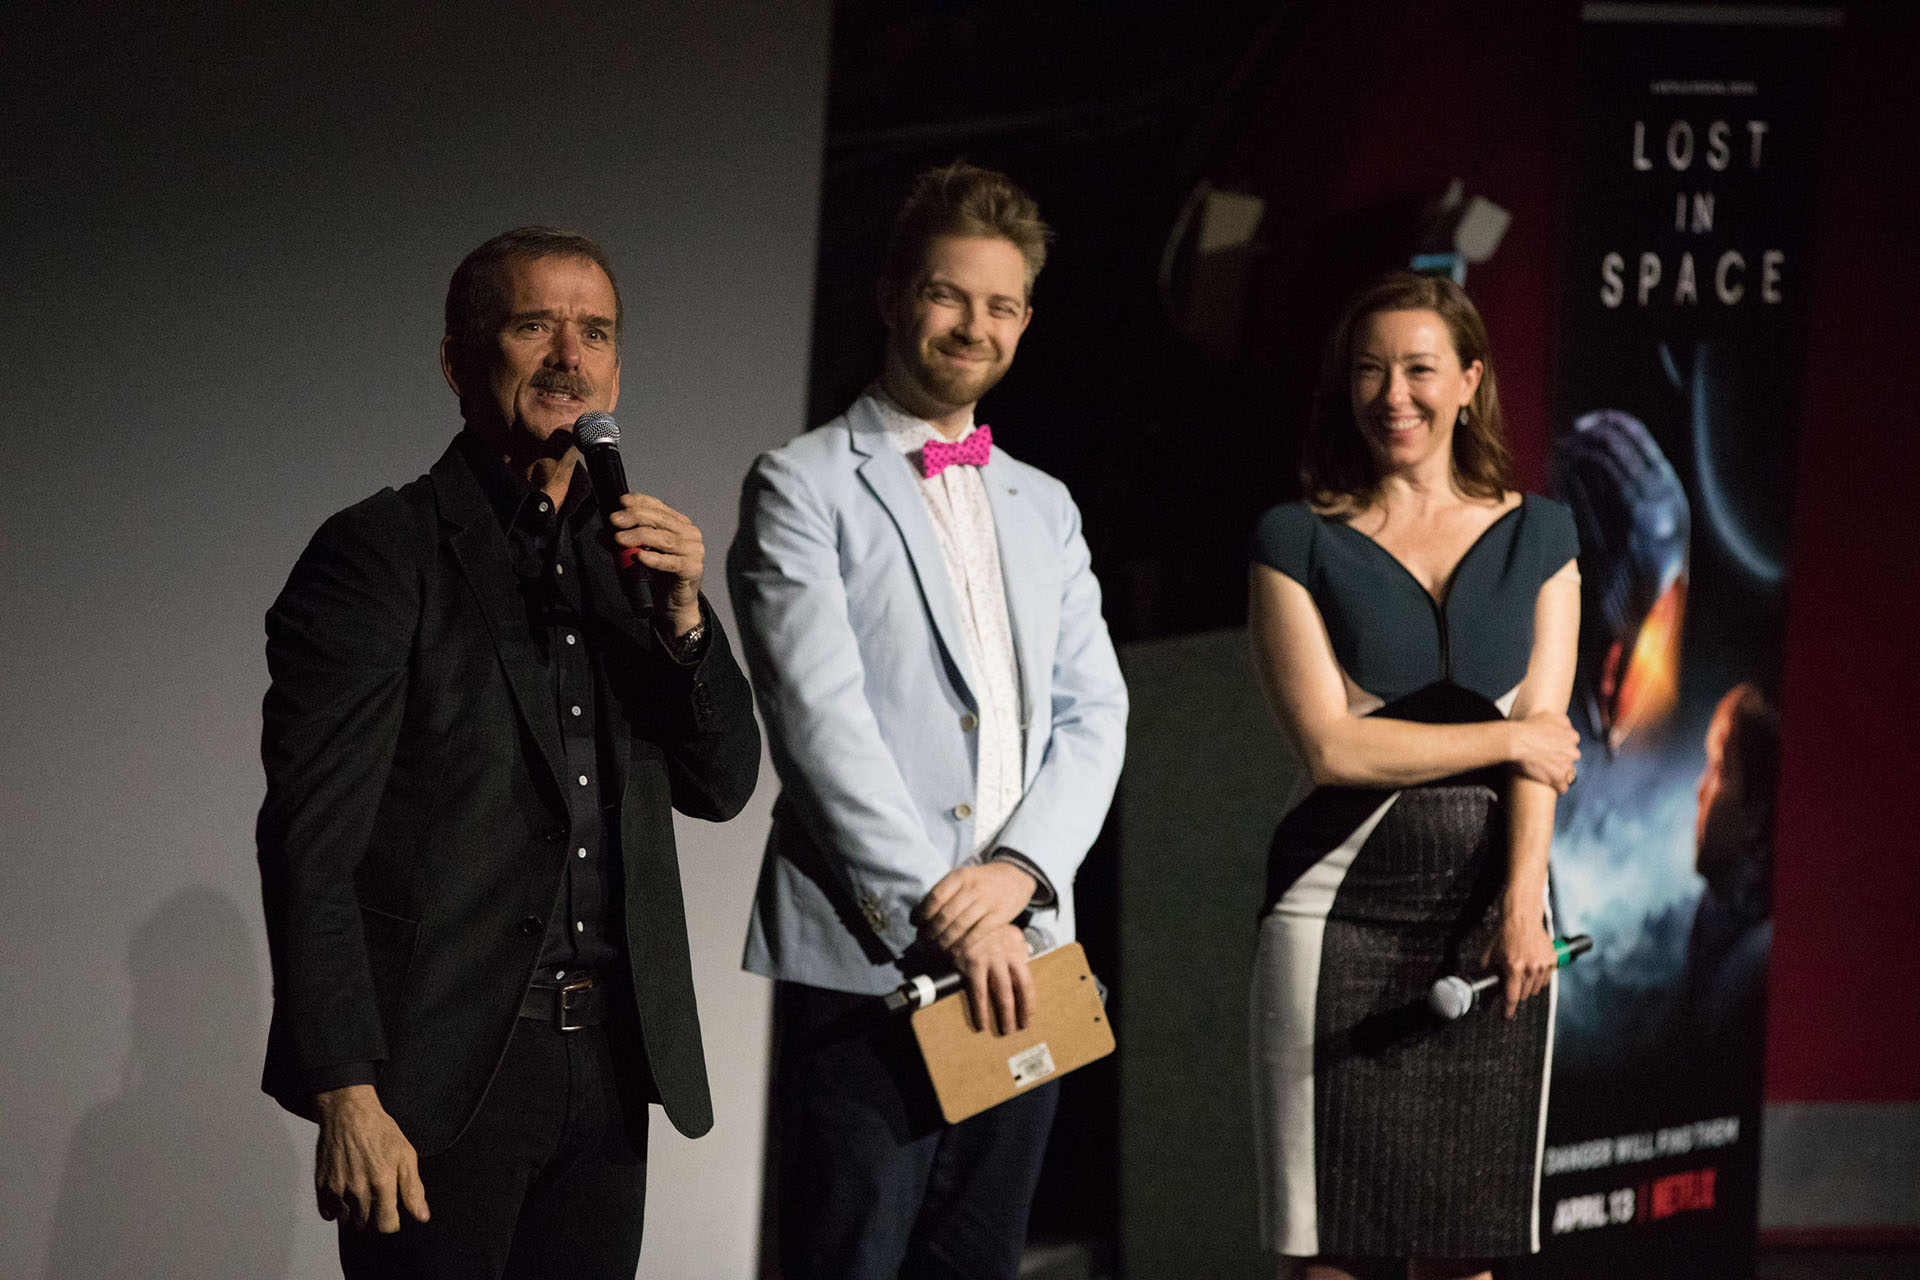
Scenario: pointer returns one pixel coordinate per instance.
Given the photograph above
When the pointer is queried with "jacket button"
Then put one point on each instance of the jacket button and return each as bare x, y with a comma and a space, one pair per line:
969, 722
963, 811
531, 926
553, 835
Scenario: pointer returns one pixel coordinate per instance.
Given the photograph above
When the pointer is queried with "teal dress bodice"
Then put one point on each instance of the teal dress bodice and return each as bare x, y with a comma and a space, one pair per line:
1392, 637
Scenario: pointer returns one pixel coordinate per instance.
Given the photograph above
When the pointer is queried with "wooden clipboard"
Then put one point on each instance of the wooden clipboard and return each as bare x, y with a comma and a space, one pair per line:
972, 1069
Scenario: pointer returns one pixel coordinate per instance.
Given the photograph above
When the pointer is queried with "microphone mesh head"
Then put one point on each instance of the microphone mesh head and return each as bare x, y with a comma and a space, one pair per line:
1450, 998
594, 428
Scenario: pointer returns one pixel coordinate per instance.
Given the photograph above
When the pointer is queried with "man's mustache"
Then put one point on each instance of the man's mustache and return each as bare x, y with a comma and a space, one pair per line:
572, 384
983, 347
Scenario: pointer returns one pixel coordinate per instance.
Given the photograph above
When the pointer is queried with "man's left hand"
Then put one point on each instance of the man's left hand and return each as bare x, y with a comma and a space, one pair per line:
671, 547
969, 898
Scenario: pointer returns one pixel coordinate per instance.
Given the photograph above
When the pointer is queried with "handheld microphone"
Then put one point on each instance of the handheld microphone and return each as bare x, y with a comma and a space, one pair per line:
1451, 997
920, 991
598, 437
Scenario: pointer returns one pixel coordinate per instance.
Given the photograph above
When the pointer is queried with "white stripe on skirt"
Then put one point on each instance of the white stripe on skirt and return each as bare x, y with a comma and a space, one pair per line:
1286, 979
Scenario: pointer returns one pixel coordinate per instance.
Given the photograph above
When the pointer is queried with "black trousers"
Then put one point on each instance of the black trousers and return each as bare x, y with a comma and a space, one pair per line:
872, 1184
548, 1180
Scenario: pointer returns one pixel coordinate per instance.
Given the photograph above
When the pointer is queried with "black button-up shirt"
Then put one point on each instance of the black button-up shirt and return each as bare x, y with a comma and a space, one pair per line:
584, 928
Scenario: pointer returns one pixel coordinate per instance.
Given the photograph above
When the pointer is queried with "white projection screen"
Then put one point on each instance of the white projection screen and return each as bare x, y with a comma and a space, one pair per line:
228, 231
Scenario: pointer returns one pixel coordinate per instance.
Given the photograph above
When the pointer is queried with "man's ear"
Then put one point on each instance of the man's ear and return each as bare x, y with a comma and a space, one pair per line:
450, 362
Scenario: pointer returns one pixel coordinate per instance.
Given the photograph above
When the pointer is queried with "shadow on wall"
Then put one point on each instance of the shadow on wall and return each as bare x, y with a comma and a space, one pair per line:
187, 1172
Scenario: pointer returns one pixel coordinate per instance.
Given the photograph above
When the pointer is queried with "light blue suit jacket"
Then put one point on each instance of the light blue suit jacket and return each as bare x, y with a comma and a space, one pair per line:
852, 634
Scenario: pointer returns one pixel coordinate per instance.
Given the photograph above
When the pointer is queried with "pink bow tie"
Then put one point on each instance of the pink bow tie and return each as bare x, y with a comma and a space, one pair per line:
971, 450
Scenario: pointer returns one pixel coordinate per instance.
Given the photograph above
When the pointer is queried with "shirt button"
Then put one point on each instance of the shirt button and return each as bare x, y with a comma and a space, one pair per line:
963, 811
969, 722
571, 638
559, 974
580, 852
583, 779
579, 926
544, 507
559, 568
575, 709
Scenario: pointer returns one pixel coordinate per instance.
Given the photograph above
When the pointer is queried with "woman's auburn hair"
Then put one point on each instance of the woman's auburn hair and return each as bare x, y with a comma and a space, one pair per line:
1336, 468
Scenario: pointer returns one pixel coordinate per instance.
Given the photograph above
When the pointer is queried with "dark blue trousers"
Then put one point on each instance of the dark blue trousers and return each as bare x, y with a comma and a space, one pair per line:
872, 1185
548, 1180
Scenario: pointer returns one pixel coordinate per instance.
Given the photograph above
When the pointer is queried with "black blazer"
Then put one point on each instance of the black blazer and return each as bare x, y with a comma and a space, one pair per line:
414, 832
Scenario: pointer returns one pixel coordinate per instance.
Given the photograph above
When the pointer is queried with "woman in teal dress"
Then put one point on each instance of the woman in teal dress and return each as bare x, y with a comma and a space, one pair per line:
1413, 625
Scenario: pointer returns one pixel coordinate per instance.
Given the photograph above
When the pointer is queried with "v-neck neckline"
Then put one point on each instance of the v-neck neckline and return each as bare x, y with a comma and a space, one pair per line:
1438, 602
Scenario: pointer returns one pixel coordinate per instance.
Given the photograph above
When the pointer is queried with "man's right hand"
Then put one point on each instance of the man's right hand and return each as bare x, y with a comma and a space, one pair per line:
993, 960
364, 1167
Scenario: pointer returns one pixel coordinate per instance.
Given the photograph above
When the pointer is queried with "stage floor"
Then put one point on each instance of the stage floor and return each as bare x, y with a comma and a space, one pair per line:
1781, 1262
1067, 1261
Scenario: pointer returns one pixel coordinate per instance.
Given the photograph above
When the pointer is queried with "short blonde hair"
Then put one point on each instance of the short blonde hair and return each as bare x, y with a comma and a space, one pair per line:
962, 199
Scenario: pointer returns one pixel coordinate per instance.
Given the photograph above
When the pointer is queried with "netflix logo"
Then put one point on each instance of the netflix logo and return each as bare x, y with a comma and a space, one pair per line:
1686, 1192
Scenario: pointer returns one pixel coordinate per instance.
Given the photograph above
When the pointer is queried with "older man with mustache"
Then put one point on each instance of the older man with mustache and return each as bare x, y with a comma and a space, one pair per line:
947, 719
473, 743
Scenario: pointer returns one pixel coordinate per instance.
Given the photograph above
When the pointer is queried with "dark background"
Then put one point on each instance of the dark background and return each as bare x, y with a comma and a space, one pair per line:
1166, 391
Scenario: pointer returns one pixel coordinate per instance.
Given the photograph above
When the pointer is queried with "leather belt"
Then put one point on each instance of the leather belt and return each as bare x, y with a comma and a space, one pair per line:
578, 1004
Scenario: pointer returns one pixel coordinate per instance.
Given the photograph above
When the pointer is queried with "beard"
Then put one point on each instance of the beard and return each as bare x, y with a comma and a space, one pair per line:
945, 383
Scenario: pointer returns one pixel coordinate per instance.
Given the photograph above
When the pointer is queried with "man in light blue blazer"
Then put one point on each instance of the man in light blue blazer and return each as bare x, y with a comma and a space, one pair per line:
947, 718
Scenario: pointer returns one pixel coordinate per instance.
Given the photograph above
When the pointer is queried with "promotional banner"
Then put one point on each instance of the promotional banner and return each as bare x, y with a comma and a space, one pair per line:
1685, 268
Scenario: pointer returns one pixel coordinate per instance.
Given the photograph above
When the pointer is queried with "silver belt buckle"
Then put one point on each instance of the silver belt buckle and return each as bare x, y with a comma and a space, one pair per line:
563, 1013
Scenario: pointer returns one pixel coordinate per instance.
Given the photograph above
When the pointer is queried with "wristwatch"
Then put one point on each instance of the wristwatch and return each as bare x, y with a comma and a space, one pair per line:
688, 644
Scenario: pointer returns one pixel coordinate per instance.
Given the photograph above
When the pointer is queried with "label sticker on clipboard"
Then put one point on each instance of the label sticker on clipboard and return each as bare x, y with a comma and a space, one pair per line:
1030, 1065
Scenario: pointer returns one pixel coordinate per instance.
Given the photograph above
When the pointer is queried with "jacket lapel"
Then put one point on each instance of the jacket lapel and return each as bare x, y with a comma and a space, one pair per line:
1032, 593
473, 535
889, 476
